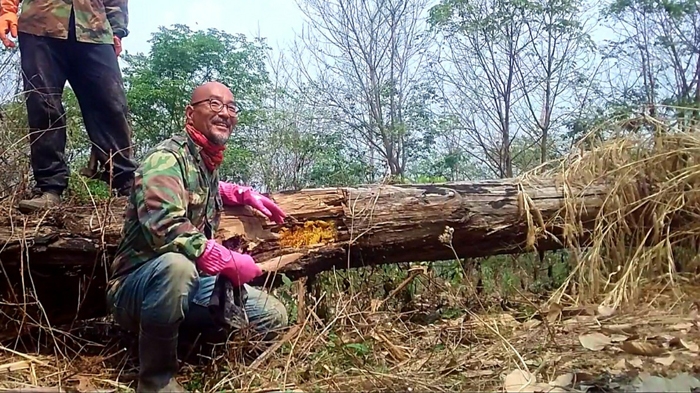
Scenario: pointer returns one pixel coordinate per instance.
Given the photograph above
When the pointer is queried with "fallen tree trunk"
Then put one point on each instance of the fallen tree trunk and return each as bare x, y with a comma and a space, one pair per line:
331, 228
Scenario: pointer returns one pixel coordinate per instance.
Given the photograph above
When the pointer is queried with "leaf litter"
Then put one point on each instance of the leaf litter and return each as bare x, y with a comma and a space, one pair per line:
379, 351
595, 341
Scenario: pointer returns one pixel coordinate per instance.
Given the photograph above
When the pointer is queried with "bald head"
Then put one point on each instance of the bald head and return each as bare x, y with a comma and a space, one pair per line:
213, 111
202, 92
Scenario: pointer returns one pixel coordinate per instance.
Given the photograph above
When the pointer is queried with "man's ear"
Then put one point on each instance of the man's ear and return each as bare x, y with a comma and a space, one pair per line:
189, 111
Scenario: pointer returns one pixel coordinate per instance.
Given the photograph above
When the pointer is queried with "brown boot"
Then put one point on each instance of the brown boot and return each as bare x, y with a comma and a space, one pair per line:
46, 200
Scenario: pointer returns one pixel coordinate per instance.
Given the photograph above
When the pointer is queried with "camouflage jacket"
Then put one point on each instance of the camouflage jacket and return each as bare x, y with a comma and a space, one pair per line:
96, 21
175, 206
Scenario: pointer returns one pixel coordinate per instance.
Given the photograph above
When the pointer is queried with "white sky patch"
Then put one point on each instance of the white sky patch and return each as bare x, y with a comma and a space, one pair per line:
276, 20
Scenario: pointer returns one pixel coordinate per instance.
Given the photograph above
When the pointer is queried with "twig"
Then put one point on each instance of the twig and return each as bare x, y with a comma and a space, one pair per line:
24, 355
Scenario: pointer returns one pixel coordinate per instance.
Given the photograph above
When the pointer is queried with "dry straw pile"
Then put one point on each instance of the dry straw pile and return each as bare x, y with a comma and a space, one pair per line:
648, 222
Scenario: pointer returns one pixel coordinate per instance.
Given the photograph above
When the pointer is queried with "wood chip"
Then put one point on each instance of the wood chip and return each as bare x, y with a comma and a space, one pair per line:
274, 264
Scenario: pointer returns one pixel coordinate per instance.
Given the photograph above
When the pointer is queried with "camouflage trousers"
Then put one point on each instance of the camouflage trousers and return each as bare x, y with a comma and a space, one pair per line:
168, 290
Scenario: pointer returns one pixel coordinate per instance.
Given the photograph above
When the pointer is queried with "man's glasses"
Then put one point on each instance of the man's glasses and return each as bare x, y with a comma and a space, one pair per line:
217, 105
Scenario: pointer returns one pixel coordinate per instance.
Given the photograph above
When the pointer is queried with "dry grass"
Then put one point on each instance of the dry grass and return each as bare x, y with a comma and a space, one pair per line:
647, 226
375, 350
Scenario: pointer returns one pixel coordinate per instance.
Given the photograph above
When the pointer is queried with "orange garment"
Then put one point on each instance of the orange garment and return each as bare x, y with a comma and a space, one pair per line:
8, 21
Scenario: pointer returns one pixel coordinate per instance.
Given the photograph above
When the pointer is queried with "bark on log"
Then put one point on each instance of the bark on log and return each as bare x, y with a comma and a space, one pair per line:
67, 250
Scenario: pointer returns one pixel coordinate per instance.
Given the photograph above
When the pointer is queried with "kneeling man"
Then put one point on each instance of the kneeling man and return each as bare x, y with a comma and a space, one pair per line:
171, 218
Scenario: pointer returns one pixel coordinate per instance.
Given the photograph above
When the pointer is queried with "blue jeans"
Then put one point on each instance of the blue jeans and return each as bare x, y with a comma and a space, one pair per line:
168, 290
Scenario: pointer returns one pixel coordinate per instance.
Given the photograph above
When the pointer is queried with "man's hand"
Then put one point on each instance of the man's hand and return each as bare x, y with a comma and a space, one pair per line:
237, 267
8, 21
117, 46
232, 195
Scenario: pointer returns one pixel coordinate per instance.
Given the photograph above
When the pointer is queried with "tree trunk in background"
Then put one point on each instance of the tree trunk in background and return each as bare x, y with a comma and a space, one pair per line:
332, 228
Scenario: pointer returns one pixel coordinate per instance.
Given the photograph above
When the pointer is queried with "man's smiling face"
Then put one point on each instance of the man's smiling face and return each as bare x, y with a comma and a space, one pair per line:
213, 112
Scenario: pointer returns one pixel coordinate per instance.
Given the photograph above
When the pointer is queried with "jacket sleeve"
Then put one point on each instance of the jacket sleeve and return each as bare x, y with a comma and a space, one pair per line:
162, 200
118, 16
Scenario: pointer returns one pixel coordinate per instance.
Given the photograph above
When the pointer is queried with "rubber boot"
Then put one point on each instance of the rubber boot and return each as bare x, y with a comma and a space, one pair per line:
46, 200
158, 359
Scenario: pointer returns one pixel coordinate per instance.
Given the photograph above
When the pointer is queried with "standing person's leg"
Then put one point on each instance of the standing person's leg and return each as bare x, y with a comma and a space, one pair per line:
153, 301
97, 81
44, 64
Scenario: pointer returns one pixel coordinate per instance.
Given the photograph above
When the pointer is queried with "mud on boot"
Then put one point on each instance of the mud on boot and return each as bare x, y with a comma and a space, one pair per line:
45, 200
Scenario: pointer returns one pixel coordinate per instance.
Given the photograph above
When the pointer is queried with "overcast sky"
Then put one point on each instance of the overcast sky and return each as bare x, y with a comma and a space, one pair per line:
276, 20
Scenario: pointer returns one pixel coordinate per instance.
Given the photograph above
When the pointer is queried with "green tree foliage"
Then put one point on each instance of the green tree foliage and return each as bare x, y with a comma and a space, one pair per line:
160, 82
279, 142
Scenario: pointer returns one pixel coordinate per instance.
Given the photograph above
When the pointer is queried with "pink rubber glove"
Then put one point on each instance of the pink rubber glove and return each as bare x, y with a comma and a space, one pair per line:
233, 194
117, 46
237, 267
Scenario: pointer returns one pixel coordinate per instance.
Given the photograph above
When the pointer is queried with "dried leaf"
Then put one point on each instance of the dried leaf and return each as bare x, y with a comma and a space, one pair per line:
691, 346
666, 361
605, 311
545, 388
581, 320
618, 338
555, 389
519, 381
625, 328
680, 343
641, 348
531, 324
506, 320
84, 384
554, 313
636, 362
663, 338
680, 383
621, 365
563, 380
594, 341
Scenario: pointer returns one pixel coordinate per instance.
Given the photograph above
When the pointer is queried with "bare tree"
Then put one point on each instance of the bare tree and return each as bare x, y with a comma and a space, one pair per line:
658, 47
478, 74
362, 59
552, 66
296, 144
